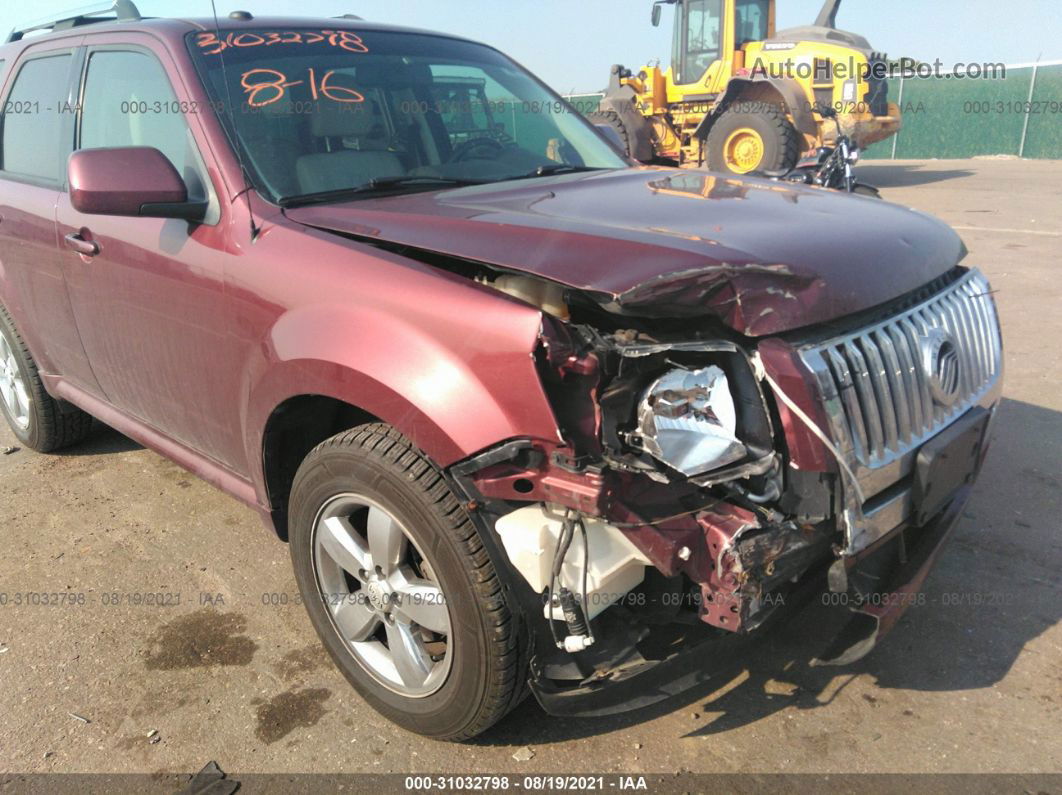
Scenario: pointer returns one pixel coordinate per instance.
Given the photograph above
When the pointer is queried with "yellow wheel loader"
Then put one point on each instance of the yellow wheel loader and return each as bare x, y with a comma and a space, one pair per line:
740, 97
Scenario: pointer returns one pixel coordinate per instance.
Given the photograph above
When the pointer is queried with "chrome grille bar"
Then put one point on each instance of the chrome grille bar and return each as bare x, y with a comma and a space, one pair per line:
880, 373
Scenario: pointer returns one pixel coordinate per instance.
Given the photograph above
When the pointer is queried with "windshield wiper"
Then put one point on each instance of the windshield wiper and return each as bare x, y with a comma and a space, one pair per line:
377, 185
386, 184
556, 168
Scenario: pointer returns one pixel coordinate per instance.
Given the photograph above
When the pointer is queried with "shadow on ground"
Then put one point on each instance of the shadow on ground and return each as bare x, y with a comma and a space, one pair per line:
103, 441
892, 175
994, 589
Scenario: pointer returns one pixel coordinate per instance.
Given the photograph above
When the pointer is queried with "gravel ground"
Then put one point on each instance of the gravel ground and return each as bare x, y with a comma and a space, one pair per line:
970, 682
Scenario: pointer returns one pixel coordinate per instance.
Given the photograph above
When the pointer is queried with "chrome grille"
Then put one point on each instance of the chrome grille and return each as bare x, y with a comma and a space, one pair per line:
882, 375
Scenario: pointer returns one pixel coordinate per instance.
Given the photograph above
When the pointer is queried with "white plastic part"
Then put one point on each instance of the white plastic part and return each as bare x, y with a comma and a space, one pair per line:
577, 643
530, 537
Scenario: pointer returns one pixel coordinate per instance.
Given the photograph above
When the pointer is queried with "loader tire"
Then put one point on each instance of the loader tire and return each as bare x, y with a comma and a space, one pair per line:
753, 136
613, 120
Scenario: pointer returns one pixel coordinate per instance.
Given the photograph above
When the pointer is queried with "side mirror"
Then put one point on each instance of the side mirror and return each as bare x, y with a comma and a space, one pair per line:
657, 11
136, 181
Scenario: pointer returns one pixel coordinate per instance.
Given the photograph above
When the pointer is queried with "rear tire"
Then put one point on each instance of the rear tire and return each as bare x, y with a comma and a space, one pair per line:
38, 420
752, 136
467, 671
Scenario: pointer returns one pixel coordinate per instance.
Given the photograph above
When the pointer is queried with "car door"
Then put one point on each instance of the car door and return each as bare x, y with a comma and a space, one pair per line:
150, 305
36, 133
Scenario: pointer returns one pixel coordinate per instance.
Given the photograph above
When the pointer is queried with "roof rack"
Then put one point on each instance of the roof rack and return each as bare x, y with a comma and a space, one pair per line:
118, 11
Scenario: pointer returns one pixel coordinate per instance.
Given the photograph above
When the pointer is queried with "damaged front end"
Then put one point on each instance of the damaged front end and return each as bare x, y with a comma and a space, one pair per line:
702, 478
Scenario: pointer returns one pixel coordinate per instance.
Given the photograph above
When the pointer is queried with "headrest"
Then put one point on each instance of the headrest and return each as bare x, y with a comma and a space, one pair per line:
347, 119
392, 74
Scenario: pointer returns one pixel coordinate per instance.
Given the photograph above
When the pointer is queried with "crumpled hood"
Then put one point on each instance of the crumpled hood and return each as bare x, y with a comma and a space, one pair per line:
763, 256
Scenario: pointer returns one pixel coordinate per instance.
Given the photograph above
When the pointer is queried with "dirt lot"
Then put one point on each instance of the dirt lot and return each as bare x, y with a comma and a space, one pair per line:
970, 682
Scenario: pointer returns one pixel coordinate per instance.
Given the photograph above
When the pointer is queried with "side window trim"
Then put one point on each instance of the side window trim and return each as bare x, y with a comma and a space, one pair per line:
213, 216
76, 53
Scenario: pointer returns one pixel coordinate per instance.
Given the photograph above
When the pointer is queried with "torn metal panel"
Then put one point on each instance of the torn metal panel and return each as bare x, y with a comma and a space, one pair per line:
727, 594
750, 559
537, 480
754, 300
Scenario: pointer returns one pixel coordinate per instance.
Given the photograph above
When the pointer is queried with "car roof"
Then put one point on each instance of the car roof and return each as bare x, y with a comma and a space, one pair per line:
174, 29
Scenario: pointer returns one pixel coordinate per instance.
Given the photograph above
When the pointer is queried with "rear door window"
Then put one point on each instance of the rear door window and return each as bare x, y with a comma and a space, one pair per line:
32, 144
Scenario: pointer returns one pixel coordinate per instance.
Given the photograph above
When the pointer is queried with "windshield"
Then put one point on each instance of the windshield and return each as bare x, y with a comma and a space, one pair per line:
752, 20
316, 111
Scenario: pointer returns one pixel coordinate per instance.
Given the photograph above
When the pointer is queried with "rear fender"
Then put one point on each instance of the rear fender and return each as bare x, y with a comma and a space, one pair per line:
783, 90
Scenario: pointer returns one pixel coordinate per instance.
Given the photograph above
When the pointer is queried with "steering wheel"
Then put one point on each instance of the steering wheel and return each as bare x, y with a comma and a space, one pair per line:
466, 151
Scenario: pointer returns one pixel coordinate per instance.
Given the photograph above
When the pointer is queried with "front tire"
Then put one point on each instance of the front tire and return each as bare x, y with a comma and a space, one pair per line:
399, 587
37, 419
747, 139
609, 118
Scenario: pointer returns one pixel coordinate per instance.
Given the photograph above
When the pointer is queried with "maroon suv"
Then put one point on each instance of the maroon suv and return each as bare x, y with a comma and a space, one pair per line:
528, 417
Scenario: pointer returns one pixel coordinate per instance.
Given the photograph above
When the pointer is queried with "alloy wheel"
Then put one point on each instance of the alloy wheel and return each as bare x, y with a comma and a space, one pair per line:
13, 390
382, 596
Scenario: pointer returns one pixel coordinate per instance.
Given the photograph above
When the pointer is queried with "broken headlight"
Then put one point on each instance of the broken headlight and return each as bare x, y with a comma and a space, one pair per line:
687, 420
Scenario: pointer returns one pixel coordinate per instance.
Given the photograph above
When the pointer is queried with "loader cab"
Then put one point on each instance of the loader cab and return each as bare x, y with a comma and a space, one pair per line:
707, 33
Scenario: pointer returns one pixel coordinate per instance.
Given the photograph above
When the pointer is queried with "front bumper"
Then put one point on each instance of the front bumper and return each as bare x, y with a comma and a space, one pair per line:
878, 610
902, 561
885, 417
911, 462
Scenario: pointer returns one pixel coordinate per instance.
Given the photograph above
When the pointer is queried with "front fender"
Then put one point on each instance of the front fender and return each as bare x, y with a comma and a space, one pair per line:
787, 90
451, 390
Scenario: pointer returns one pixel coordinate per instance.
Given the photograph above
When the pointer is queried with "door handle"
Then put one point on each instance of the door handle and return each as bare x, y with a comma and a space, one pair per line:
87, 248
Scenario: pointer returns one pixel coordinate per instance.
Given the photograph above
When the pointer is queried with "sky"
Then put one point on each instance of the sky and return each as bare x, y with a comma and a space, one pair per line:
571, 44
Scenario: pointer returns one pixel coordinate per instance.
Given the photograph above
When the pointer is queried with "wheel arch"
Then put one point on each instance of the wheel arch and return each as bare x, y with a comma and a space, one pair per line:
787, 92
293, 429
322, 373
